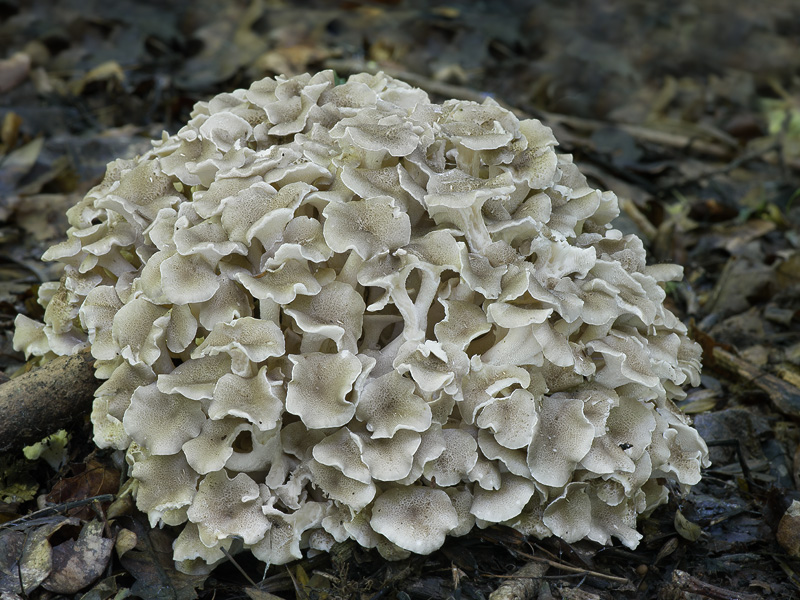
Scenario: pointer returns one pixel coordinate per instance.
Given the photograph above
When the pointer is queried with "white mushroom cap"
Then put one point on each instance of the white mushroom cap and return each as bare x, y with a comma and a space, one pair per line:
390, 459
505, 503
188, 548
415, 518
256, 399
111, 401
368, 227
246, 340
319, 386
458, 459
343, 451
97, 317
165, 483
388, 404
561, 438
225, 507
213, 446
511, 419
350, 492
282, 542
195, 378
29, 337
160, 422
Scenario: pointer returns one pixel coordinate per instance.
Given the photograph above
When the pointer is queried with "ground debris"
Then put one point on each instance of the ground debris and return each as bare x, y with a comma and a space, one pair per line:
689, 111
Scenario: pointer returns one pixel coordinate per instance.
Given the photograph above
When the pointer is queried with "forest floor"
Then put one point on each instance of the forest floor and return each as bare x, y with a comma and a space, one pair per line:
688, 110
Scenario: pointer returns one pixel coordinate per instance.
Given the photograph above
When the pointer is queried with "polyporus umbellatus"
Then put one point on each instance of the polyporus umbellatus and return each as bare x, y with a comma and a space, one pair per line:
341, 311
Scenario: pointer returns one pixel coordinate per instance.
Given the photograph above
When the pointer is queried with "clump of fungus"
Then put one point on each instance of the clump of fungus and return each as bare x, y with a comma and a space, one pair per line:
341, 311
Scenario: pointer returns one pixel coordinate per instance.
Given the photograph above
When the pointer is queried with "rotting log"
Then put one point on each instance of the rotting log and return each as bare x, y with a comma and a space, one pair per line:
784, 396
51, 397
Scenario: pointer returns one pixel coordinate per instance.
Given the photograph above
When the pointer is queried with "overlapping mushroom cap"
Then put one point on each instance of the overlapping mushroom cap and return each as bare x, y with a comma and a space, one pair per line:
341, 311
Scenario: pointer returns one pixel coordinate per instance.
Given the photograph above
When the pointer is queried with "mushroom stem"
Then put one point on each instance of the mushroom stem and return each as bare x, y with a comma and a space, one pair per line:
269, 310
349, 272
373, 159
474, 228
429, 285
468, 160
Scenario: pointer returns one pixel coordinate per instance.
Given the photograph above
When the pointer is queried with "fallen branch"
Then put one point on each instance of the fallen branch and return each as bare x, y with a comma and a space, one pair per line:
688, 583
46, 399
523, 584
784, 396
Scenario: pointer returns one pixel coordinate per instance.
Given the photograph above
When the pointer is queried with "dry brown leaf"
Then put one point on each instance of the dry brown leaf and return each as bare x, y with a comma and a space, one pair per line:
77, 563
13, 71
93, 480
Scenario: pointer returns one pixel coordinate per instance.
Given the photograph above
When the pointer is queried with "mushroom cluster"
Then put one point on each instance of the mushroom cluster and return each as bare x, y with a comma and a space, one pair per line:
331, 311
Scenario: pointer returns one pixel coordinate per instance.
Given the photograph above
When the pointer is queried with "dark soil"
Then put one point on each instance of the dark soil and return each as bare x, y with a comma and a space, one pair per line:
689, 110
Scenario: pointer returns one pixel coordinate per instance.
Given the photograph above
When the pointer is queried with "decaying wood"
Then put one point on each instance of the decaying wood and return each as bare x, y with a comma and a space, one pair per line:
46, 399
693, 585
784, 396
523, 584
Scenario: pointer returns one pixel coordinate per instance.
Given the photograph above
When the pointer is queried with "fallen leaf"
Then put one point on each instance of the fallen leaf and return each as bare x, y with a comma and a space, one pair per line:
105, 589
95, 480
9, 131
11, 543
13, 71
126, 540
110, 71
26, 556
686, 529
152, 566
77, 563
17, 164
37, 556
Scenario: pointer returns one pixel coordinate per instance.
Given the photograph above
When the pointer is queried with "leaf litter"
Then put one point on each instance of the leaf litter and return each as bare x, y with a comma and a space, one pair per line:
690, 111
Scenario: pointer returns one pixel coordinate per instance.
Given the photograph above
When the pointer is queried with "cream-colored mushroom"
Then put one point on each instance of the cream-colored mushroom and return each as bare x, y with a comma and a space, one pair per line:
504, 503
389, 403
459, 457
165, 483
415, 518
335, 310
245, 340
561, 438
160, 422
319, 387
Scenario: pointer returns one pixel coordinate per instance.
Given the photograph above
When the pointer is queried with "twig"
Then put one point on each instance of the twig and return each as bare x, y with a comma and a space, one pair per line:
736, 444
523, 585
689, 583
734, 164
38, 403
571, 569
642, 133
31, 519
637, 216
239, 568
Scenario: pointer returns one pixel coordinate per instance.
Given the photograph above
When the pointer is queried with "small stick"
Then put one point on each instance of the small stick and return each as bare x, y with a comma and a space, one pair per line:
689, 583
34, 517
571, 569
239, 568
